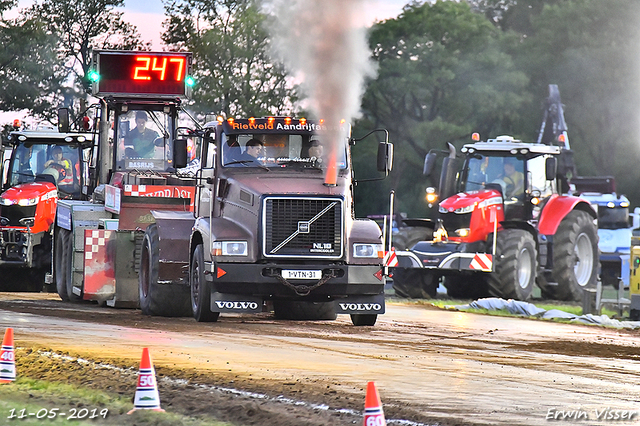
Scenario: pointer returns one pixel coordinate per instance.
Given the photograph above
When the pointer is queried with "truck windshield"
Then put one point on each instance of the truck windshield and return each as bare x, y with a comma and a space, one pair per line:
143, 140
276, 150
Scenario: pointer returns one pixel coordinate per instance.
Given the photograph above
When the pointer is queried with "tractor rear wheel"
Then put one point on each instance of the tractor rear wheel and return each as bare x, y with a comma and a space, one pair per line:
515, 265
167, 300
200, 289
575, 256
415, 283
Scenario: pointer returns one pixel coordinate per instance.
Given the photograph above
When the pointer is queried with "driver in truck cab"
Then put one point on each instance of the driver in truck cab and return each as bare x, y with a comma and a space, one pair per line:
141, 138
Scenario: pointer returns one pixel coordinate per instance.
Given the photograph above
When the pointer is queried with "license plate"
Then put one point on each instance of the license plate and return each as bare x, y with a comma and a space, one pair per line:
297, 274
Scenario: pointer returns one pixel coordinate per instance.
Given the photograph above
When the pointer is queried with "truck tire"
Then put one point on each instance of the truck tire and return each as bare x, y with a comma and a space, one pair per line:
200, 289
364, 319
575, 256
415, 283
296, 310
515, 265
466, 286
166, 300
61, 263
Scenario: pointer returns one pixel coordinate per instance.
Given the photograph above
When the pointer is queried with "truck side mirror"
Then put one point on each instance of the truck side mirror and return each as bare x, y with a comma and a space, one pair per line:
551, 168
180, 153
385, 157
63, 120
429, 163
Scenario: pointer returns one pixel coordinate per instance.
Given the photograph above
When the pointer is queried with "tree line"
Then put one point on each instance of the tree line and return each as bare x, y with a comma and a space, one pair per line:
445, 70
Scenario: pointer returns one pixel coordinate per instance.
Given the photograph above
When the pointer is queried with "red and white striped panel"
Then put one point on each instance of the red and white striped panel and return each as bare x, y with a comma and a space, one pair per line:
390, 258
482, 262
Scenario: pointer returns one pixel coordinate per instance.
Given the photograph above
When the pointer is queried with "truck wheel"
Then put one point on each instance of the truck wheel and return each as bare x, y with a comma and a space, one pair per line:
61, 263
364, 319
473, 286
200, 289
575, 256
295, 310
169, 300
415, 283
515, 265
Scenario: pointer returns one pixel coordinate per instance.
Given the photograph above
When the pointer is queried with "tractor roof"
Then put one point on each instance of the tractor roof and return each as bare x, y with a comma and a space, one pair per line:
508, 144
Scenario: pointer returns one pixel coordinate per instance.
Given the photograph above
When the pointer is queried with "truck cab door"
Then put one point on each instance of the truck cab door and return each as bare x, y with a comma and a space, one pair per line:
206, 184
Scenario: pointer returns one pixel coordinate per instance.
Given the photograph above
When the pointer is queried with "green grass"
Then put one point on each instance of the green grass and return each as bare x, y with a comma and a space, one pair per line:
42, 398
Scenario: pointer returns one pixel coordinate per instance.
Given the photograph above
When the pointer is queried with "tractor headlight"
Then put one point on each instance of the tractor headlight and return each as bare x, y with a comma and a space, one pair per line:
467, 209
367, 250
463, 232
6, 202
28, 202
230, 248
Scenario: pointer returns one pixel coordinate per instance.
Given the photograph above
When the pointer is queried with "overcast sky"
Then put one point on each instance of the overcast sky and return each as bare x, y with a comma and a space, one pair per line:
148, 15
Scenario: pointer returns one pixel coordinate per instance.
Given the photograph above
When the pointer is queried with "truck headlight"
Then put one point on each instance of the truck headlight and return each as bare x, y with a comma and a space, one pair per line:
229, 248
28, 202
367, 250
5, 202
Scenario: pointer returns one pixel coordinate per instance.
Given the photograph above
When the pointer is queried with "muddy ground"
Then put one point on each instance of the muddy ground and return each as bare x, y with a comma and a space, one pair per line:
431, 366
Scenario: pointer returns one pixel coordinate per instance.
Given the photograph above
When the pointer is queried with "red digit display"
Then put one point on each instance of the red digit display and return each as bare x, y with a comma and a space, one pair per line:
141, 73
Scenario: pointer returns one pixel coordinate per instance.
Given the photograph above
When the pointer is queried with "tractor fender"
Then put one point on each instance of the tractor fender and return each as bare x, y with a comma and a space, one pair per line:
557, 208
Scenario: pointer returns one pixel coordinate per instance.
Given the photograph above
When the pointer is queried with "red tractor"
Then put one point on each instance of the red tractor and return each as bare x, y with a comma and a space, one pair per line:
45, 165
504, 225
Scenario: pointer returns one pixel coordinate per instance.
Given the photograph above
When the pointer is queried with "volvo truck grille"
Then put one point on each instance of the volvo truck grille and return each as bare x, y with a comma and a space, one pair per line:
302, 227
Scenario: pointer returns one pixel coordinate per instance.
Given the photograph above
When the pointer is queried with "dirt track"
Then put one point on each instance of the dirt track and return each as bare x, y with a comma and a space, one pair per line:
429, 365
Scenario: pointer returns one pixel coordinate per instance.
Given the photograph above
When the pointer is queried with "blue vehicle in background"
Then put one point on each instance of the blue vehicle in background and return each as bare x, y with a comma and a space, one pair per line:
615, 225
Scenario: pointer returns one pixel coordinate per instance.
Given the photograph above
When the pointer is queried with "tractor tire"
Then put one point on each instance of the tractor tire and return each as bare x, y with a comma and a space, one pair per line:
515, 265
463, 286
575, 256
311, 311
406, 238
360, 320
200, 289
61, 263
166, 300
415, 283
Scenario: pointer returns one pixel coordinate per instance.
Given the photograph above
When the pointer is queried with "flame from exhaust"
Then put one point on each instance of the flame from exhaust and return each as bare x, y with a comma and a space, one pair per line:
324, 43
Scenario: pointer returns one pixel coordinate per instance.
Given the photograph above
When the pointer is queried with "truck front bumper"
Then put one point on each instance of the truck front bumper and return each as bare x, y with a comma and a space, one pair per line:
265, 280
449, 256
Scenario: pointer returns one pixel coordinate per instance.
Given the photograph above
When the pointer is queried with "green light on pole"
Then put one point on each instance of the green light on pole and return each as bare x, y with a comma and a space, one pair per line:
94, 76
190, 81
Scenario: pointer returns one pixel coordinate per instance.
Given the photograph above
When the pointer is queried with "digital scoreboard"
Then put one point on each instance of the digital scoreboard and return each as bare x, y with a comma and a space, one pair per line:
141, 74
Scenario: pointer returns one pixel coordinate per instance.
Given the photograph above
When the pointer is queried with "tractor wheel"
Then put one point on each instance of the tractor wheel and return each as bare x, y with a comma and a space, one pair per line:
415, 283
200, 289
295, 310
463, 286
61, 263
364, 319
167, 300
515, 265
575, 256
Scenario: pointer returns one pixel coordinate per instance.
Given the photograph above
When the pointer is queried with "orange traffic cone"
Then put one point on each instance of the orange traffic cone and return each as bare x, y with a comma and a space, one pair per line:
7, 358
147, 397
373, 414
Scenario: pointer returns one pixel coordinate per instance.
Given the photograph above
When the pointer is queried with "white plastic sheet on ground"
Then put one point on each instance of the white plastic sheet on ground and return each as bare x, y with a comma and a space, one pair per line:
527, 309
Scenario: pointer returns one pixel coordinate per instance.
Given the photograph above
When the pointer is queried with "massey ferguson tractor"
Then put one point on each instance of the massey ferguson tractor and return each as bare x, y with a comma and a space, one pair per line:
271, 231
45, 166
505, 223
